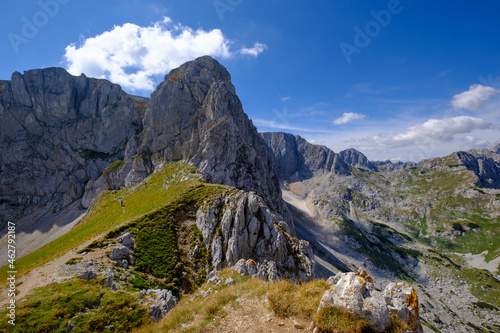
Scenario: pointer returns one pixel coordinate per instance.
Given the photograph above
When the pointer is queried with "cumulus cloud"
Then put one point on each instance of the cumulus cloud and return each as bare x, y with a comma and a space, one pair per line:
474, 97
433, 130
131, 55
347, 117
257, 49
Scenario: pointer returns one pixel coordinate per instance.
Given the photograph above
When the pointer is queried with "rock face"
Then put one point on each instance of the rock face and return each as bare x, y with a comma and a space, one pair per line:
242, 232
296, 159
58, 132
194, 115
355, 293
487, 169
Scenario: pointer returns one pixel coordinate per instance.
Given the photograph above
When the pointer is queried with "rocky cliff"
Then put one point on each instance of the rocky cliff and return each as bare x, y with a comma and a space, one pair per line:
58, 132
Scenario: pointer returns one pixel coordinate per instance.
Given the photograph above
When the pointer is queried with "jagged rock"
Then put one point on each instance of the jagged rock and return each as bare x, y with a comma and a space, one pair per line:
164, 301
355, 293
230, 282
119, 253
239, 225
88, 275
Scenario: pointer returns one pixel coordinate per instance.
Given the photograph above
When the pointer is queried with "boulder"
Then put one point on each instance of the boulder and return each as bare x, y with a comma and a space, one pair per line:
88, 275
355, 293
164, 301
120, 253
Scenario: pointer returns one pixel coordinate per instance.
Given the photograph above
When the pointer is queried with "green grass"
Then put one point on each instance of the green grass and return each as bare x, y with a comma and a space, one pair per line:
113, 167
332, 320
162, 188
288, 299
483, 285
89, 305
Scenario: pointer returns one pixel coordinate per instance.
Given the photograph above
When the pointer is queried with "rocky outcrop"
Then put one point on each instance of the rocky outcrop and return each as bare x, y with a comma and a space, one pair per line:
296, 159
242, 232
161, 301
58, 132
357, 159
355, 293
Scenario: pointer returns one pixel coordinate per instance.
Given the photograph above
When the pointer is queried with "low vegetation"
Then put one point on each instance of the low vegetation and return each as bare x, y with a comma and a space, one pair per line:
87, 306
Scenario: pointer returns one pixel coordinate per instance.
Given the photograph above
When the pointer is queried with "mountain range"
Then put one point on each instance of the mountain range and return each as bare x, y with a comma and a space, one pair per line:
82, 162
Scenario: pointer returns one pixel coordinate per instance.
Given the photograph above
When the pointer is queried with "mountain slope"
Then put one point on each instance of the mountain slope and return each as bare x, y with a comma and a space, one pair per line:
433, 223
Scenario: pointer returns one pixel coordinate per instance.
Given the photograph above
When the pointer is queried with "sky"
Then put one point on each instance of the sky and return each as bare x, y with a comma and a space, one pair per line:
400, 80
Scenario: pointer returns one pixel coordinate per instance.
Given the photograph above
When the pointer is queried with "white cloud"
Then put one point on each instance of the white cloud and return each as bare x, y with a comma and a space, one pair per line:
474, 97
285, 98
433, 130
131, 55
347, 117
257, 49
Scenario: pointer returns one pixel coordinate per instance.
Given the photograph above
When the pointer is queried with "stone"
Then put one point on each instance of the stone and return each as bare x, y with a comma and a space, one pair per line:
297, 325
124, 263
355, 293
402, 300
88, 275
126, 240
108, 280
230, 282
164, 302
119, 253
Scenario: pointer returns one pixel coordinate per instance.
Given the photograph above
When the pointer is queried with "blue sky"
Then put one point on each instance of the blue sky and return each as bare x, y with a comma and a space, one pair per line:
395, 79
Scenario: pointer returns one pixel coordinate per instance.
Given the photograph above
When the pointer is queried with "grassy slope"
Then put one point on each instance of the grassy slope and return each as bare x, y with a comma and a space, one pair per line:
162, 187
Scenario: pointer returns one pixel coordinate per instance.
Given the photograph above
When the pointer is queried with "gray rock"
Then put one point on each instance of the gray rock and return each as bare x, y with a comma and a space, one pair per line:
355, 293
119, 253
126, 240
230, 282
108, 281
68, 128
88, 275
164, 301
243, 232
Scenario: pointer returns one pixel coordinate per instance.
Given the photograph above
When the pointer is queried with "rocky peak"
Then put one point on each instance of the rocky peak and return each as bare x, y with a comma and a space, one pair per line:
296, 159
195, 115
357, 159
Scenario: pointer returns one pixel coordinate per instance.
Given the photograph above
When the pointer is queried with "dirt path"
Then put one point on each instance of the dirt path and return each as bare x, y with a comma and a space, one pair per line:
56, 270
252, 315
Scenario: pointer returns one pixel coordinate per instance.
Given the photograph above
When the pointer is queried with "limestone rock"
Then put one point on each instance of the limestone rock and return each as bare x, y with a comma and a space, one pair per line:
108, 281
88, 275
243, 232
119, 253
355, 293
58, 132
402, 300
164, 301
